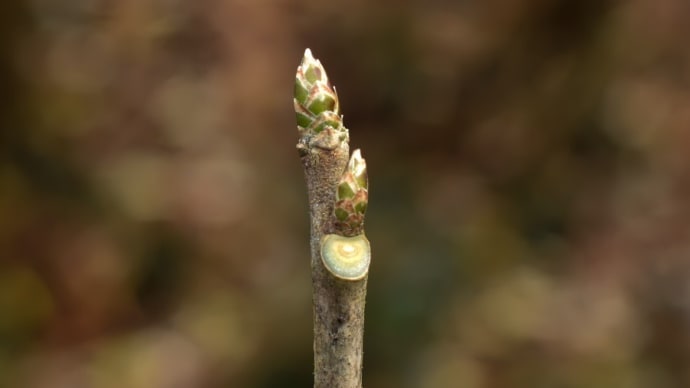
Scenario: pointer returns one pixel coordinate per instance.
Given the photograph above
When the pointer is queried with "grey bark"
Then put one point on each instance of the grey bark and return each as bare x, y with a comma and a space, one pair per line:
338, 304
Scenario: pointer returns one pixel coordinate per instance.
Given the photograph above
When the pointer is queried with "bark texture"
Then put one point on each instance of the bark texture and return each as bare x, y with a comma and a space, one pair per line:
338, 304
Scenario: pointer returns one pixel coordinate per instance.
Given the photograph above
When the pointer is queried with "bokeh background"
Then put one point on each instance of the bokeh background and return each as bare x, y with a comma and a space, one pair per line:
529, 214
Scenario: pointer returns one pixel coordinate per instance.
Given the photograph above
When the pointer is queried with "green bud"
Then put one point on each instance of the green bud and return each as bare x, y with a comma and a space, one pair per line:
352, 197
317, 108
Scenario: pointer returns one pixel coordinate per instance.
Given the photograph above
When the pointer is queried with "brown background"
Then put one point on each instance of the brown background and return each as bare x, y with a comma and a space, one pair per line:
529, 214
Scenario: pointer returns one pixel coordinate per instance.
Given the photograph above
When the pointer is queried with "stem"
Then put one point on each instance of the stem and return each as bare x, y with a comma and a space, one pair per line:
338, 304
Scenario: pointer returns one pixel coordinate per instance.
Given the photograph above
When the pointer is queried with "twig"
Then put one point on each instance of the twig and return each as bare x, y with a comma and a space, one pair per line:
340, 256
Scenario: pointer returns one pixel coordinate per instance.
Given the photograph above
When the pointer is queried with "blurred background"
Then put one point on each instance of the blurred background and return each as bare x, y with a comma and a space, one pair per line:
529, 212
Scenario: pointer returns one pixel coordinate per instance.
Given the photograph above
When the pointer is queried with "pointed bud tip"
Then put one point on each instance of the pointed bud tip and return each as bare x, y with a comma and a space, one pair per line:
357, 166
357, 163
309, 59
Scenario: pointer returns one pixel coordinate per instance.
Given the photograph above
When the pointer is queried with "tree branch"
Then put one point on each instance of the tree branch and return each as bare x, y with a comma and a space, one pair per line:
340, 254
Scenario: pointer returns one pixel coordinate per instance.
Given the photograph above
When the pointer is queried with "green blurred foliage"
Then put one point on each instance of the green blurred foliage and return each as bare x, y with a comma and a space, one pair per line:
528, 215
